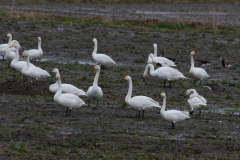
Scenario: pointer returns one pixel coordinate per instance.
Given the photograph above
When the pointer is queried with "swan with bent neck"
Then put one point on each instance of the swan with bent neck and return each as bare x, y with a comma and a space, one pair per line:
67, 100
66, 88
172, 115
35, 53
195, 72
141, 103
101, 58
195, 101
164, 73
95, 92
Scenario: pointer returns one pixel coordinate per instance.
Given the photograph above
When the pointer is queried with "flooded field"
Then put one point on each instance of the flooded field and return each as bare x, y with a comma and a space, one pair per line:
33, 126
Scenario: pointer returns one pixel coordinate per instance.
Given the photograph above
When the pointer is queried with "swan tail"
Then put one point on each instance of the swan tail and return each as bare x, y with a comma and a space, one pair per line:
185, 113
208, 87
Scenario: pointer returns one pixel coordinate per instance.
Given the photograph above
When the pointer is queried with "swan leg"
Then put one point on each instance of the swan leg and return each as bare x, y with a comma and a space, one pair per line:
97, 103
170, 84
102, 66
88, 102
69, 112
200, 113
66, 112
3, 58
137, 115
200, 82
191, 112
164, 84
143, 113
172, 126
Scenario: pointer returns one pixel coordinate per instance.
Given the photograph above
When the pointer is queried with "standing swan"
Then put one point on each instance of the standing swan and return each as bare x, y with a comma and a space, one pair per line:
10, 55
195, 101
33, 72
3, 47
152, 58
95, 92
16, 64
195, 72
139, 102
164, 73
172, 115
35, 53
67, 100
66, 88
101, 58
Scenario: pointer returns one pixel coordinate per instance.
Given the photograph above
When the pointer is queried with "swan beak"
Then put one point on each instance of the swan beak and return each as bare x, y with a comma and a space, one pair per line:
143, 79
156, 63
94, 67
25, 55
125, 78
161, 94
185, 96
18, 49
57, 77
52, 71
6, 34
193, 53
11, 45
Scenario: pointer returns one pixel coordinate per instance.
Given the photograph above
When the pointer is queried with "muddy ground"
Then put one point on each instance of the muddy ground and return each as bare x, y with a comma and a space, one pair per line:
33, 126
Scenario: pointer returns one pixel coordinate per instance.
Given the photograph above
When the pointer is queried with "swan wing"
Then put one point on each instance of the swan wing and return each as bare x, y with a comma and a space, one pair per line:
70, 100
103, 59
142, 102
175, 115
68, 88
35, 72
164, 61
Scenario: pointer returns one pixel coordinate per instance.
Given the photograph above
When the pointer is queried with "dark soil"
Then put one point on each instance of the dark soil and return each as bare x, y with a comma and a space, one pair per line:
33, 126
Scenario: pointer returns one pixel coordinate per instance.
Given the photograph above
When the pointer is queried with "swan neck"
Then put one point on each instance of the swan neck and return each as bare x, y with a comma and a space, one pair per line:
95, 82
28, 62
151, 68
9, 41
59, 91
39, 45
16, 58
129, 94
192, 61
164, 105
155, 51
95, 48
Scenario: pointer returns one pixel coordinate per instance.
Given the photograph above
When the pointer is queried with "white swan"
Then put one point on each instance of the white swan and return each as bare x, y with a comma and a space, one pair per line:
95, 92
141, 103
35, 53
164, 73
10, 55
67, 100
4, 47
172, 115
101, 58
16, 64
33, 72
195, 72
152, 59
195, 101
66, 88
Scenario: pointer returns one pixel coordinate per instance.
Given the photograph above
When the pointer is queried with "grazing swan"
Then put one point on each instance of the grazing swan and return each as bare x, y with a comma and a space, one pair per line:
225, 63
16, 64
172, 115
66, 88
33, 72
164, 73
67, 100
4, 47
35, 53
195, 101
101, 58
95, 92
195, 72
139, 102
152, 59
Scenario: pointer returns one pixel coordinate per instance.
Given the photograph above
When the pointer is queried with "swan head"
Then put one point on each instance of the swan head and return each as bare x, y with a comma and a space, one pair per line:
55, 70
15, 44
9, 35
94, 40
57, 76
96, 67
192, 53
127, 78
154, 45
189, 91
163, 94
39, 38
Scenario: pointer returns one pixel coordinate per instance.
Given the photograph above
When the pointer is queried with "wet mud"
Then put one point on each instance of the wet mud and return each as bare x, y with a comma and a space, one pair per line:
33, 126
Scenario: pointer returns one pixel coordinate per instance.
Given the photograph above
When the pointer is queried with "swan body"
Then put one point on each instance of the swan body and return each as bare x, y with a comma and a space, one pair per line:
172, 115
67, 100
195, 72
101, 58
35, 53
195, 101
4, 47
66, 88
139, 102
164, 73
33, 72
152, 59
15, 63
95, 92
10, 55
